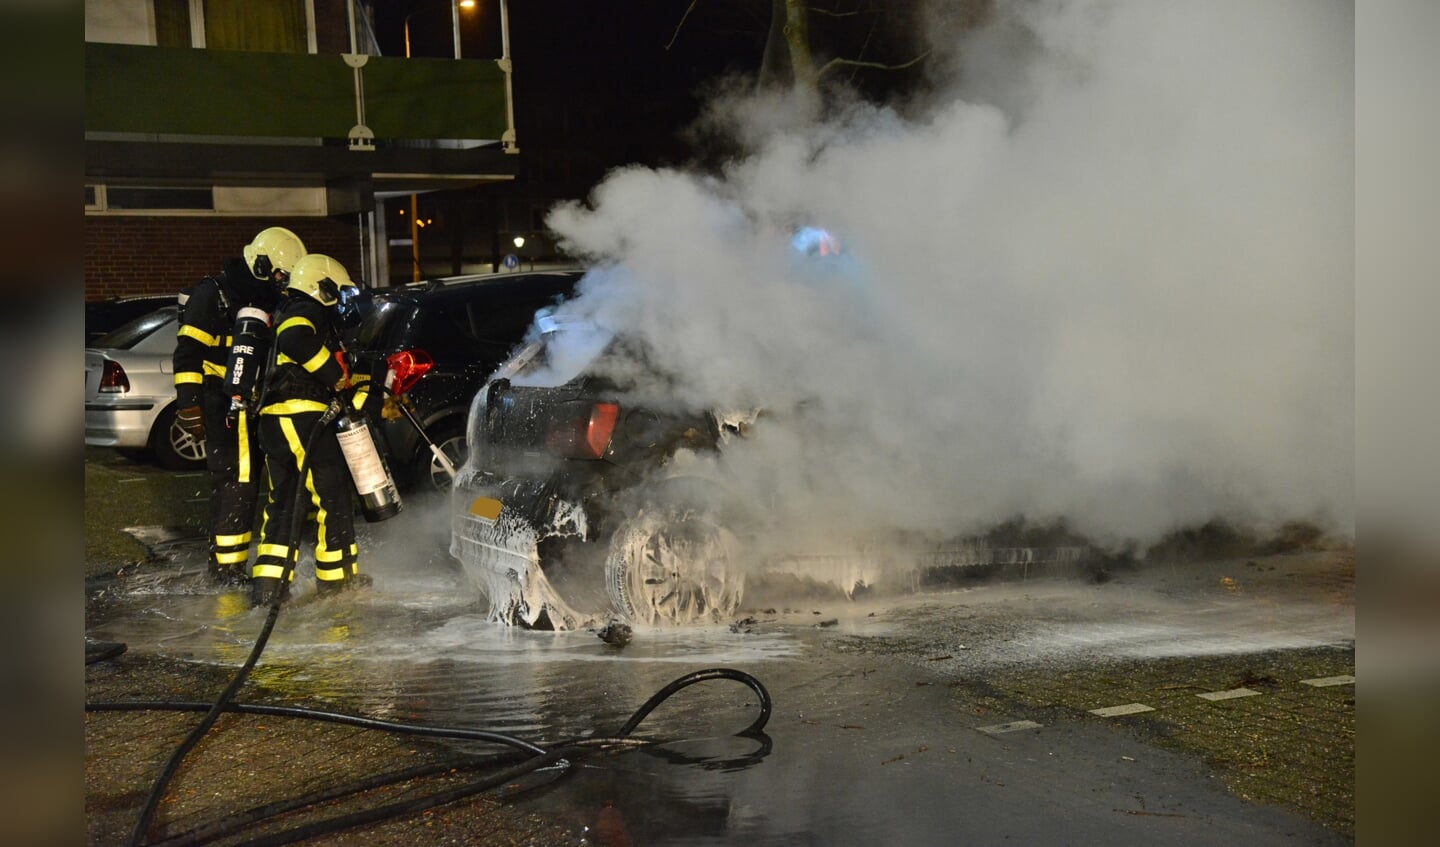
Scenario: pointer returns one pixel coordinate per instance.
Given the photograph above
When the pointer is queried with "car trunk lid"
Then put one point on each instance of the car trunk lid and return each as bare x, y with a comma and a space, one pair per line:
94, 369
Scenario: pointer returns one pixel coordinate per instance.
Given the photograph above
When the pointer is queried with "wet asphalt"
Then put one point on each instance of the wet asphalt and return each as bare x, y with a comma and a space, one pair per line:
1199, 702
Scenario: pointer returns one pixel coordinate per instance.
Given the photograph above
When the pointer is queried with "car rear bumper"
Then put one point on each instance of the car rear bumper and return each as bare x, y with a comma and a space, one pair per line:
124, 423
498, 548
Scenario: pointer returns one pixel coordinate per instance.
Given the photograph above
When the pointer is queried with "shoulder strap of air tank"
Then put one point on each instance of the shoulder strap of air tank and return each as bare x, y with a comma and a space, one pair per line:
218, 280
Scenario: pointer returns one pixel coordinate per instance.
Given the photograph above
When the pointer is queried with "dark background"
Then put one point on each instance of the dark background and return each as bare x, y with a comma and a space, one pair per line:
604, 84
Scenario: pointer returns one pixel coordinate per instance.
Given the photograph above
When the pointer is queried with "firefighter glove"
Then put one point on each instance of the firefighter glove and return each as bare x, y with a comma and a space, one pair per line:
190, 420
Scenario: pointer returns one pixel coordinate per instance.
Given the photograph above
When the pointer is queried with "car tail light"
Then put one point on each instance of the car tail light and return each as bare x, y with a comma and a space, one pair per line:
406, 368
113, 379
584, 438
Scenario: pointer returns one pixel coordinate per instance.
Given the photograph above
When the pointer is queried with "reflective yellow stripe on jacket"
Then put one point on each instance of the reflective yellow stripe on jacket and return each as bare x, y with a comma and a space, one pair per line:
318, 360
295, 321
294, 407
199, 335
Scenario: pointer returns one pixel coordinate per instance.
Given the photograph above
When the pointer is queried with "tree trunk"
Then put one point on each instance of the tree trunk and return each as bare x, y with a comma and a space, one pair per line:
797, 38
775, 61
787, 60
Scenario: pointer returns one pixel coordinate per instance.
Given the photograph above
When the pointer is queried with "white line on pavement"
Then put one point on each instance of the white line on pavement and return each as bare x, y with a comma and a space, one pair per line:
1327, 681
1127, 709
1013, 726
1227, 695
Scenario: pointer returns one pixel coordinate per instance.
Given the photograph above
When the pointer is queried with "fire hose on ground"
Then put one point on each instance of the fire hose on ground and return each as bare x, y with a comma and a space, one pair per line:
526, 758
534, 757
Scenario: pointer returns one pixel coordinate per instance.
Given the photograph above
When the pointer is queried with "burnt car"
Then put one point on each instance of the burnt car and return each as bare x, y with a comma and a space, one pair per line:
591, 495
447, 336
561, 516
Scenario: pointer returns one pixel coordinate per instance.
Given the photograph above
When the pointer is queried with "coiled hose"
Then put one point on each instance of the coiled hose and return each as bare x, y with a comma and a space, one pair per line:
535, 758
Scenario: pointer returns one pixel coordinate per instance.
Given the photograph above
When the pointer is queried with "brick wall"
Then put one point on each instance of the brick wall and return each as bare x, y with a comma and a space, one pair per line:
127, 255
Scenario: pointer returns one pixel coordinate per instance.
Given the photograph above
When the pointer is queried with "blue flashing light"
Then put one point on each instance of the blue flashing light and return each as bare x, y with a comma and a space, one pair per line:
813, 241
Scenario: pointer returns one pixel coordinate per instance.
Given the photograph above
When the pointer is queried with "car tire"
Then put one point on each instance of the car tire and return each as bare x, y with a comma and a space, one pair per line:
427, 472
174, 448
672, 566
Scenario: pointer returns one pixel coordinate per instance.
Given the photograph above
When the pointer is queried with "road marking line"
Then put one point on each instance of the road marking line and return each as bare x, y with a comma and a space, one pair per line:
1227, 695
1013, 726
1127, 709
188, 475
198, 500
131, 479
1326, 681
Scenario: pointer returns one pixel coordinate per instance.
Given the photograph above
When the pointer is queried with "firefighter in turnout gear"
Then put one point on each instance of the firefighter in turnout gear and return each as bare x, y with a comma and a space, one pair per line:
205, 407
308, 372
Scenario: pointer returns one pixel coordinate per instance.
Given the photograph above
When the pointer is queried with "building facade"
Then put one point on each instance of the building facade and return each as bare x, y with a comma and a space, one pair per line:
208, 120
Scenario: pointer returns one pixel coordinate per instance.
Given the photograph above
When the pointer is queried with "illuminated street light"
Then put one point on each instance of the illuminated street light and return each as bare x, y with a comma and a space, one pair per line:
519, 241
454, 22
414, 201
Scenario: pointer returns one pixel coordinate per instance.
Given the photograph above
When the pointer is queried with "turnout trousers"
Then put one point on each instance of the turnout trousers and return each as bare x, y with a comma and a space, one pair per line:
233, 458
326, 487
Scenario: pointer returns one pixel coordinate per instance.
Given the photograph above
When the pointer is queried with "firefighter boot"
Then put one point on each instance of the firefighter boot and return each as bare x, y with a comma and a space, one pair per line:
228, 576
265, 590
328, 587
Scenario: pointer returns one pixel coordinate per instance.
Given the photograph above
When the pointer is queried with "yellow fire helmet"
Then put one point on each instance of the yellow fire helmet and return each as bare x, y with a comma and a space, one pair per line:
275, 249
322, 278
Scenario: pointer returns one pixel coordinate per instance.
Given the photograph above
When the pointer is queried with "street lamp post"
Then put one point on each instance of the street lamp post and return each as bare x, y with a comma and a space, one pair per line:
414, 198
519, 243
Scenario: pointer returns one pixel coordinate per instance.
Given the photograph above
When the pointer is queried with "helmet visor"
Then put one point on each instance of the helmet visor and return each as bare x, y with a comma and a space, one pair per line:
348, 306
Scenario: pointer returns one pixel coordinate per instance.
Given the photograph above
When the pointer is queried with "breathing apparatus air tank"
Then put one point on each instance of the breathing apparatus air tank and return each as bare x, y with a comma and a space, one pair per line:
248, 351
379, 498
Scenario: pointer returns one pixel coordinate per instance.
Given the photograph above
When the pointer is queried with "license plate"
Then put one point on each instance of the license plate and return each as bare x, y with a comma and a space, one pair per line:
485, 508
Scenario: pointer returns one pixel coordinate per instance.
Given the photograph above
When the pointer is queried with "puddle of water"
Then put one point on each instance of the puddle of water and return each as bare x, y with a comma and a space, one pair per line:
415, 647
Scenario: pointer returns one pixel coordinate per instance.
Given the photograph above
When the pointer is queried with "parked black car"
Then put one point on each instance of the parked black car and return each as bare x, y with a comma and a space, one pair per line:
102, 316
464, 327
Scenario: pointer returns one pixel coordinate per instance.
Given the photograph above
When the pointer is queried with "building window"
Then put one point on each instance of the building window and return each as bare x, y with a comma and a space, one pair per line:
135, 198
274, 26
172, 23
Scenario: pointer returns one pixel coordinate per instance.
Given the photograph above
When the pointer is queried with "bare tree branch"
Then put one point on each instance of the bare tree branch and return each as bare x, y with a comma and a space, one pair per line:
866, 46
851, 63
681, 25
830, 13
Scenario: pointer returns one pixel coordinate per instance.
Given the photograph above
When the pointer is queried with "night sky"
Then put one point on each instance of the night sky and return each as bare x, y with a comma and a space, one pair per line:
606, 84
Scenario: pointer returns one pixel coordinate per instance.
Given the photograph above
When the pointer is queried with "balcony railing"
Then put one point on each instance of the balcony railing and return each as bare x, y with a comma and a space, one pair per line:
183, 91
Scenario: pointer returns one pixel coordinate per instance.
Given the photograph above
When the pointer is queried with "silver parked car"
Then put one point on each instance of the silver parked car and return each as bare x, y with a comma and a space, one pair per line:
130, 392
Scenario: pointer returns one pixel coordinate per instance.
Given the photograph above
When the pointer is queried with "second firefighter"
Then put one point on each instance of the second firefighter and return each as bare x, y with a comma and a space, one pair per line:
308, 372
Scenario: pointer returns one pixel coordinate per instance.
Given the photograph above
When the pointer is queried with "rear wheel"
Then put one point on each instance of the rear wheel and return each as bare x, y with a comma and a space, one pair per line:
174, 448
431, 473
674, 567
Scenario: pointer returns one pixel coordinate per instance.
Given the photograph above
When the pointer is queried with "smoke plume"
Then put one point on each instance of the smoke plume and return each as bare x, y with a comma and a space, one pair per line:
1101, 272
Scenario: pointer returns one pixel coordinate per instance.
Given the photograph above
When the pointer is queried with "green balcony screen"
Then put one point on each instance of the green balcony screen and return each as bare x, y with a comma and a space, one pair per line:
173, 90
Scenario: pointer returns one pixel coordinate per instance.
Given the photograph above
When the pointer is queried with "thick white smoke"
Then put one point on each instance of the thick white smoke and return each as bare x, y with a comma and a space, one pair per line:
1106, 276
